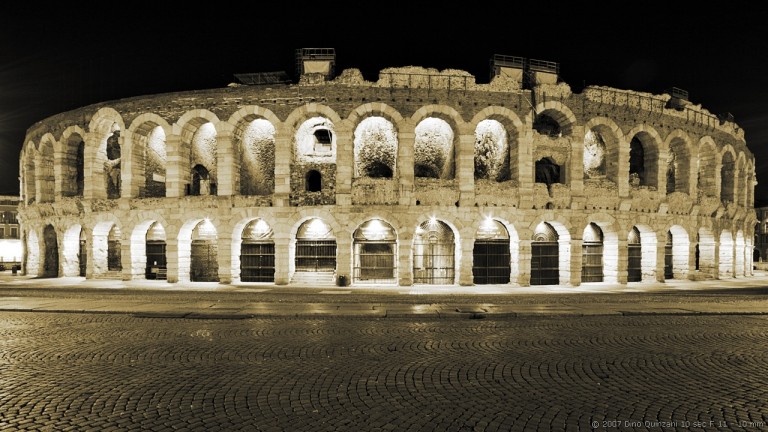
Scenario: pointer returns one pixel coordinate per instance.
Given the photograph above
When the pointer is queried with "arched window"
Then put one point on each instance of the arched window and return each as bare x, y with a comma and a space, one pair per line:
547, 171
201, 182
636, 163
313, 181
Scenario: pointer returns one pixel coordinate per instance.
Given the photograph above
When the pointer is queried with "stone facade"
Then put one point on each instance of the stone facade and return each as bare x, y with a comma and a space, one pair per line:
474, 183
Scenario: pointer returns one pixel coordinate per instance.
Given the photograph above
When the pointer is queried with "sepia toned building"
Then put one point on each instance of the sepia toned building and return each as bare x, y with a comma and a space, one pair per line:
420, 177
10, 232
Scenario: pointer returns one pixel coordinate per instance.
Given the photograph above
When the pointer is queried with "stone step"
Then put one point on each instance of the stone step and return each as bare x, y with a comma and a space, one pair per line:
315, 279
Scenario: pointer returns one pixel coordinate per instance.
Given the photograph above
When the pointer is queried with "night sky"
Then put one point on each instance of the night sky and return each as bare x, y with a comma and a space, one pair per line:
57, 58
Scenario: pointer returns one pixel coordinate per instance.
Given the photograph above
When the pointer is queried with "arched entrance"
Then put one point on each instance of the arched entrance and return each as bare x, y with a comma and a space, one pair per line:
257, 253
315, 247
114, 253
375, 248
51, 258
82, 253
668, 257
157, 264
545, 256
634, 256
491, 257
433, 253
592, 254
204, 262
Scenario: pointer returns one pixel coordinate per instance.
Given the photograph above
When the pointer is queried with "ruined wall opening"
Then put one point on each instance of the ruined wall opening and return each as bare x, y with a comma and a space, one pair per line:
643, 161
491, 254
434, 150
257, 164
204, 258
257, 252
112, 165
375, 148
596, 155
375, 253
634, 256
155, 249
73, 166
492, 161
592, 254
545, 124
155, 162
201, 183
547, 171
315, 247
202, 168
727, 175
51, 256
725, 269
678, 167
434, 255
313, 181
314, 150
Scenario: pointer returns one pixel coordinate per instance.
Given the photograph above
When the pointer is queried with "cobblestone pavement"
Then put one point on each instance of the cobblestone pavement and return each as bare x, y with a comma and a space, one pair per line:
121, 372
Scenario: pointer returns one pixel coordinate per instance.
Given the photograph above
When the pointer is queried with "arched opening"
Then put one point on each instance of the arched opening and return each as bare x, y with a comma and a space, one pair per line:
112, 165
375, 147
257, 252
547, 171
155, 162
434, 149
434, 253
114, 253
491, 254
375, 249
592, 254
545, 256
82, 253
204, 261
544, 124
157, 264
201, 182
671, 171
315, 247
727, 176
257, 164
51, 257
313, 181
491, 151
595, 153
637, 175
668, 257
634, 256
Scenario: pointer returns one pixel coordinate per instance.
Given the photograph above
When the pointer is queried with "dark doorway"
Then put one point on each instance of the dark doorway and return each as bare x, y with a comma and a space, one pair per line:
634, 256
314, 181
545, 256
592, 254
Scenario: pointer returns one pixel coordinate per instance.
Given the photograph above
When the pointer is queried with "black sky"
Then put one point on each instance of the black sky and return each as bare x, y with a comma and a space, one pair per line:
59, 57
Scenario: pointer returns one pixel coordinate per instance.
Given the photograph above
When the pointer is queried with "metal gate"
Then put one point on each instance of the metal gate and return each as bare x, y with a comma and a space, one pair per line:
204, 266
592, 254
545, 256
315, 255
491, 262
668, 271
375, 262
156, 261
433, 254
634, 257
257, 262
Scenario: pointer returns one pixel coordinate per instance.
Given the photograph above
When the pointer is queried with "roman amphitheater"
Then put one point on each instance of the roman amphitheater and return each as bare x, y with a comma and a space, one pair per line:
420, 177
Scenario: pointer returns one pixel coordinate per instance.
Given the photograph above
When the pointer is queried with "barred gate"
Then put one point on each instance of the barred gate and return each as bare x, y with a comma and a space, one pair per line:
491, 262
315, 255
634, 257
433, 254
257, 262
592, 254
204, 266
545, 256
668, 266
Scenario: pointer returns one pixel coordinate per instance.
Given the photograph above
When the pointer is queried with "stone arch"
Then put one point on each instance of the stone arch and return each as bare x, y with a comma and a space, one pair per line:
375, 252
610, 134
608, 227
648, 247
187, 248
313, 244
728, 174
103, 154
707, 172
436, 142
308, 111
483, 232
376, 147
71, 162
378, 109
198, 148
678, 166
558, 112
71, 252
512, 127
680, 251
243, 219
44, 169
435, 252
562, 228
138, 236
254, 137
148, 150
644, 156
727, 245
103, 247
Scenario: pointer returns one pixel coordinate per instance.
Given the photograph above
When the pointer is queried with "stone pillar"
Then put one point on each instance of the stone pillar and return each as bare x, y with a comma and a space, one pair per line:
224, 255
131, 165
176, 175
172, 259
465, 169
575, 173
345, 161
576, 261
406, 139
526, 176
692, 260
466, 245
282, 258
125, 256
283, 163
661, 187
61, 168
661, 240
404, 264
93, 175
622, 180
621, 267
524, 277
225, 164
344, 256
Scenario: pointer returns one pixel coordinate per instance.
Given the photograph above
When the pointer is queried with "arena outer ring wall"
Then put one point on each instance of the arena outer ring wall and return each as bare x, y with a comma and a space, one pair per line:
709, 211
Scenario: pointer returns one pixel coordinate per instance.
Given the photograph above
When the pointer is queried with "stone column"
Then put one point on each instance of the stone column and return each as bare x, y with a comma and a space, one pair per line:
575, 174
465, 169
622, 172
176, 175
282, 258
172, 259
345, 161
576, 261
224, 255
125, 256
404, 264
406, 139
524, 277
526, 176
225, 162
466, 278
93, 176
621, 268
344, 256
131, 165
61, 167
283, 163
